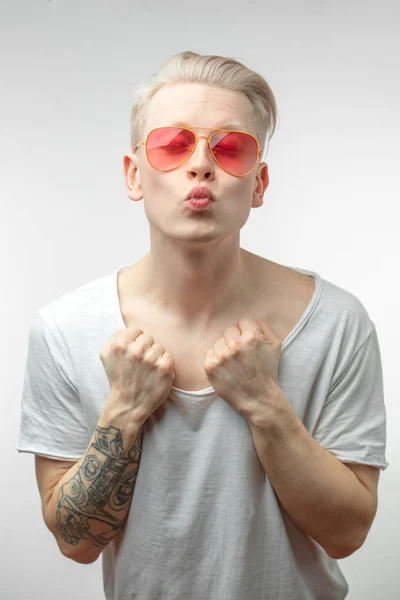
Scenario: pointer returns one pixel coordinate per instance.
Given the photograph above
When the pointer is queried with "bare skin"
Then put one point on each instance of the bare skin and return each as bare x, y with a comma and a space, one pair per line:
279, 295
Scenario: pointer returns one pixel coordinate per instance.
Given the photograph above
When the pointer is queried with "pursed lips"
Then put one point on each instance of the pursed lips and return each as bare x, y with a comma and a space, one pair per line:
200, 192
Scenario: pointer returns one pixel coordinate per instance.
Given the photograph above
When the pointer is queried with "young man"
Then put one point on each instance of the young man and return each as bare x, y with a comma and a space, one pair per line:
249, 393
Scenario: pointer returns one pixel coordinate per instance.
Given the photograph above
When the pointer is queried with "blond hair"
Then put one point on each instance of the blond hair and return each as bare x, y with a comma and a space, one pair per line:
227, 73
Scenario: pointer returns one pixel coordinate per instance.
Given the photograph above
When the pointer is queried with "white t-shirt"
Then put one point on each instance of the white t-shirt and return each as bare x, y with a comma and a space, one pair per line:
205, 522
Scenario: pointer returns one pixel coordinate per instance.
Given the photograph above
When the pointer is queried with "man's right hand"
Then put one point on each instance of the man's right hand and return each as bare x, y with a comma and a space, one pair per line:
140, 372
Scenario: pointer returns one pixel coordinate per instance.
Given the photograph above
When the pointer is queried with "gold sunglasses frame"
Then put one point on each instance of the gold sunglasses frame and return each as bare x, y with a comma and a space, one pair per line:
208, 138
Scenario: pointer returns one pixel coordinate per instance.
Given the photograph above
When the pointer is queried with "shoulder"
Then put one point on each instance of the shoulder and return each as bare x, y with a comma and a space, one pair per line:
337, 306
79, 319
80, 303
346, 314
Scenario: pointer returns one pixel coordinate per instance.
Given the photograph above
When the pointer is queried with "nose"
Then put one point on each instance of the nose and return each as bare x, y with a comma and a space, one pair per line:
201, 161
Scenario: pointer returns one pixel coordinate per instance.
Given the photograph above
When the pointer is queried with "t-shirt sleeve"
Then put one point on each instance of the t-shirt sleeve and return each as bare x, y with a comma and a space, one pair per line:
52, 419
352, 423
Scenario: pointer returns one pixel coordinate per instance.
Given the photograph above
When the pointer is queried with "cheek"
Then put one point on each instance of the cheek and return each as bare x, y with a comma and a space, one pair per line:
155, 187
238, 203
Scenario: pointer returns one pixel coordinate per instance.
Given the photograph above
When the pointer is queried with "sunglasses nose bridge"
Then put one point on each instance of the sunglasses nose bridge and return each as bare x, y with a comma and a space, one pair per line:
197, 139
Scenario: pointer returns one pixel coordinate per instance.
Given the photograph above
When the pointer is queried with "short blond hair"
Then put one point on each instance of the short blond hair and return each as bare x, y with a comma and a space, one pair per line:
227, 73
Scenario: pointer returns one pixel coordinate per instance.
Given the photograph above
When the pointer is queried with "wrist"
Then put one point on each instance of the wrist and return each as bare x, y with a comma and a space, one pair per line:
273, 411
116, 411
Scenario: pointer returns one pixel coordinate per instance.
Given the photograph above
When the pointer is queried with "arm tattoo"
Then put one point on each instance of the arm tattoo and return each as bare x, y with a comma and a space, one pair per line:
88, 504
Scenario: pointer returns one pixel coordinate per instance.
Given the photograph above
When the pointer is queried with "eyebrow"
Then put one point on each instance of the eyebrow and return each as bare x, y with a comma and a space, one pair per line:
222, 126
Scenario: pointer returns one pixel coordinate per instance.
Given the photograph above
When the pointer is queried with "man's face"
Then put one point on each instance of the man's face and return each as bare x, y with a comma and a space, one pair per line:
164, 193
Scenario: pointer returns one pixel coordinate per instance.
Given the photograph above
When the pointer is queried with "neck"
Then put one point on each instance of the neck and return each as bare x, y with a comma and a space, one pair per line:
196, 288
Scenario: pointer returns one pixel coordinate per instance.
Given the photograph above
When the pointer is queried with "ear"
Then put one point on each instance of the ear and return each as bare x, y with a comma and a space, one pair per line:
261, 184
132, 177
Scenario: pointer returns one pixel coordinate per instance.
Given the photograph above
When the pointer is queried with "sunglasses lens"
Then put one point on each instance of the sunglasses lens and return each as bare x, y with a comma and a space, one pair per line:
236, 152
168, 147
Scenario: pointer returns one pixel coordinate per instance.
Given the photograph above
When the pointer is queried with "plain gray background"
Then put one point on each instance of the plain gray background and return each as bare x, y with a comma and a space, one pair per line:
67, 74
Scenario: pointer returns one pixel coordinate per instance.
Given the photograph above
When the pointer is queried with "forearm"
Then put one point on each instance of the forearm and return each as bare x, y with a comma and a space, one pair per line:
90, 504
320, 494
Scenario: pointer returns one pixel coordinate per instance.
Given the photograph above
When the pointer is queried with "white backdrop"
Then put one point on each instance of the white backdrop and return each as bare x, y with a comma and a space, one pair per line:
67, 74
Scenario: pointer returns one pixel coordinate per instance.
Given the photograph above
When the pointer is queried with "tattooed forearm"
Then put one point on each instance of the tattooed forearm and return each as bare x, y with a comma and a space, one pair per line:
94, 504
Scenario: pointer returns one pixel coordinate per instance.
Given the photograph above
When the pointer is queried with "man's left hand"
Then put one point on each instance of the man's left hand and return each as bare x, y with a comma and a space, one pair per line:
242, 367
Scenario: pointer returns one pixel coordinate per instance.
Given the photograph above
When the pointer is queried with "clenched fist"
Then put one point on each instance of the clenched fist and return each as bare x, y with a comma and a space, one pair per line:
140, 372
